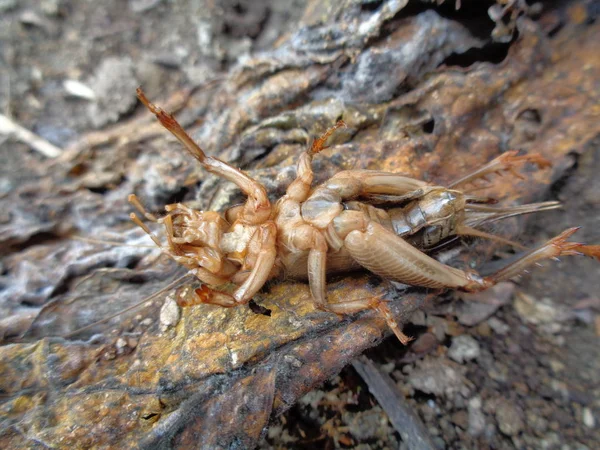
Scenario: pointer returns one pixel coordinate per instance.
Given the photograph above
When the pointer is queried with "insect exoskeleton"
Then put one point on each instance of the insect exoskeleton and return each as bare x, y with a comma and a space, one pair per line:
379, 221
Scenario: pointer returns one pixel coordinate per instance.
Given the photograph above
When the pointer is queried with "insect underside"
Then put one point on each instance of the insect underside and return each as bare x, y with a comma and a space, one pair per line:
380, 221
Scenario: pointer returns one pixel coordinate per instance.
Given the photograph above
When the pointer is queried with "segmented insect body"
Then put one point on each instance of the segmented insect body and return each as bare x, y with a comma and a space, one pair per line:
380, 221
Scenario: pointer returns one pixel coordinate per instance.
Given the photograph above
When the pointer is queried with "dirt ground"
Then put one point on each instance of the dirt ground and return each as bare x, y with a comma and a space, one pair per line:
523, 372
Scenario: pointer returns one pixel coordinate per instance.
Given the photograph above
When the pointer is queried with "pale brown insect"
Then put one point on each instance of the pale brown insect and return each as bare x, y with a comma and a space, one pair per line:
383, 222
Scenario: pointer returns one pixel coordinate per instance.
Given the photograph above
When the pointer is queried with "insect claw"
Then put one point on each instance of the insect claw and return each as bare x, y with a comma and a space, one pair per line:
381, 305
318, 145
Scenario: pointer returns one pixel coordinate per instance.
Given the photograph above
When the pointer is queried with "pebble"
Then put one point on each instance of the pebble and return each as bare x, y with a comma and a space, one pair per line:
51, 7
471, 313
498, 326
170, 313
476, 417
140, 6
556, 365
438, 377
78, 89
538, 424
521, 388
121, 343
484, 329
367, 424
418, 318
146, 322
460, 418
424, 343
439, 443
292, 361
588, 418
499, 372
438, 326
536, 311
508, 416
479, 306
464, 348
114, 85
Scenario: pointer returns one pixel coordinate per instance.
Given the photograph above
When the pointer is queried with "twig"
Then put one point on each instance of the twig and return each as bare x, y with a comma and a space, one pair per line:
37, 143
404, 420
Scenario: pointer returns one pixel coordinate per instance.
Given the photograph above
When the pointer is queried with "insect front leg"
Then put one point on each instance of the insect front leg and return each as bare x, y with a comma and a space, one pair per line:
257, 208
325, 202
299, 189
264, 261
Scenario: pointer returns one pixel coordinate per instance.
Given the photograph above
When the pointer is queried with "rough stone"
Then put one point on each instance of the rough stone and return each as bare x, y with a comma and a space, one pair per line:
460, 418
368, 424
509, 418
114, 84
476, 417
477, 307
588, 418
170, 313
498, 326
537, 311
464, 348
537, 423
438, 377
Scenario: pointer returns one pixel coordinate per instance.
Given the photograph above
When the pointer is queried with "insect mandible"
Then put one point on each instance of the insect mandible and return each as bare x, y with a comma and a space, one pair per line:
379, 221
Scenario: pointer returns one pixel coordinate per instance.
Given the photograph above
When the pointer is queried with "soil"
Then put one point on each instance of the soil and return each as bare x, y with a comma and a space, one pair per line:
525, 376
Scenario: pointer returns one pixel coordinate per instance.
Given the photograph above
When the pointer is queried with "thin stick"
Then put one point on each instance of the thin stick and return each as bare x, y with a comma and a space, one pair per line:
37, 143
401, 415
170, 286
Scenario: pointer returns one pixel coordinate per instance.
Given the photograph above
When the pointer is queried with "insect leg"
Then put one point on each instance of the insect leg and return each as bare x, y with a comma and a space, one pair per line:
309, 238
463, 230
299, 189
325, 202
377, 303
263, 265
371, 182
382, 252
505, 162
257, 208
555, 247
258, 276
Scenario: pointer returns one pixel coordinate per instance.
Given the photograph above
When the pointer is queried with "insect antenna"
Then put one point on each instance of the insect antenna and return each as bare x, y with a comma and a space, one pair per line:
179, 281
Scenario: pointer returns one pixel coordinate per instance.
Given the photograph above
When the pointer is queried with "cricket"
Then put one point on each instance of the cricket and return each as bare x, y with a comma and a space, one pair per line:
382, 222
